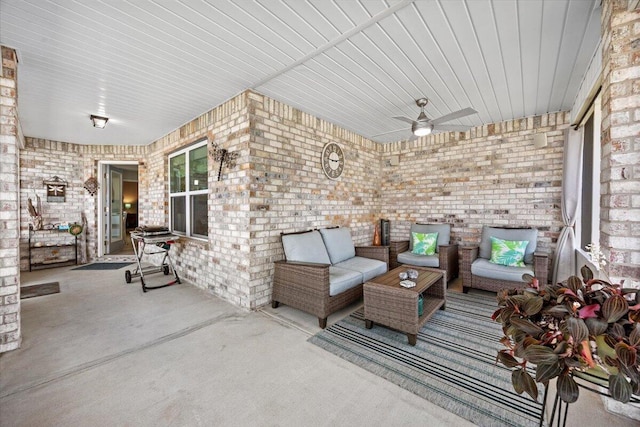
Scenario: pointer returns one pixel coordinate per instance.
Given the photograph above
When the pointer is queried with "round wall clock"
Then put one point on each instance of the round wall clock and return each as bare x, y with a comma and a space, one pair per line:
332, 160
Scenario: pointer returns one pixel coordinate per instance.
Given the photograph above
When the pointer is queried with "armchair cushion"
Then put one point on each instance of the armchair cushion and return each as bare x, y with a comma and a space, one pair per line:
507, 252
419, 260
339, 245
424, 243
485, 268
367, 267
443, 230
513, 234
305, 247
341, 279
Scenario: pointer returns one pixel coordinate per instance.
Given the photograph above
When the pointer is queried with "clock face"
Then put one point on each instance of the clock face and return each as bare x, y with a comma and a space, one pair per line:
332, 160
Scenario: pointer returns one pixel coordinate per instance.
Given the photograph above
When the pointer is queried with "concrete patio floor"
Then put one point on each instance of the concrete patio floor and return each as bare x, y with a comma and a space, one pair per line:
101, 352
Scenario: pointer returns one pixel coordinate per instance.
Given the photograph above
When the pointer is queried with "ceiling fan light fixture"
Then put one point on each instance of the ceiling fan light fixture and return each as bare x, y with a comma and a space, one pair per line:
98, 121
421, 128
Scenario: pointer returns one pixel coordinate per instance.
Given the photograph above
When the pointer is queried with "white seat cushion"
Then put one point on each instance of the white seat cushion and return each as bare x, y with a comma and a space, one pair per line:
339, 244
483, 268
368, 268
341, 279
305, 247
419, 260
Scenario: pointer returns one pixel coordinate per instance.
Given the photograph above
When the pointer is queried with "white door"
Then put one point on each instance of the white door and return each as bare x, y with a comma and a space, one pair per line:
113, 219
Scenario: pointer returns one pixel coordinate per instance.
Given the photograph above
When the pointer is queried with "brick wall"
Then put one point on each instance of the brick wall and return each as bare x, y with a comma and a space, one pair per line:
42, 160
221, 263
10, 333
620, 170
289, 191
492, 175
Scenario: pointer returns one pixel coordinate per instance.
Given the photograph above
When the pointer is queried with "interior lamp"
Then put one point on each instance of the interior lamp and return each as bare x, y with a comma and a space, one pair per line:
127, 205
98, 121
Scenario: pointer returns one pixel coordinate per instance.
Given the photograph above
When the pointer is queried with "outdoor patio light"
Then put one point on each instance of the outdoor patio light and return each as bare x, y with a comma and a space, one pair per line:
420, 128
99, 122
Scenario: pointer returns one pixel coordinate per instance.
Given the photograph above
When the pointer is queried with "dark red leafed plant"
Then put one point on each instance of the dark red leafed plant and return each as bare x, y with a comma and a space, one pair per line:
587, 325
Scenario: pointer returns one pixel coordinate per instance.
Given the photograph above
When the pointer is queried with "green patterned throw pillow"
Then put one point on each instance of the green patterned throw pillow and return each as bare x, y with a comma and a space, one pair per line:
507, 252
424, 243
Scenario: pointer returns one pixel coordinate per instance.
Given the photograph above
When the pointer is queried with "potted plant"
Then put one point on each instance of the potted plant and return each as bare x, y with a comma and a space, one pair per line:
582, 326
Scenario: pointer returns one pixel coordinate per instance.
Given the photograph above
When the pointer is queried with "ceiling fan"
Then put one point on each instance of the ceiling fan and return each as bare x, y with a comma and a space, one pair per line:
424, 126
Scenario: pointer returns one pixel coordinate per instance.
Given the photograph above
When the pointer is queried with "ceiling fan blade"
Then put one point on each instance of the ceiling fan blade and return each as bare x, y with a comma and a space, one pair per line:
454, 115
452, 128
404, 119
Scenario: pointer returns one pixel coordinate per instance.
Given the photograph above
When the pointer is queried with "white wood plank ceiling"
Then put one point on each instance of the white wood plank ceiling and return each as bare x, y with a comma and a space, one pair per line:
153, 65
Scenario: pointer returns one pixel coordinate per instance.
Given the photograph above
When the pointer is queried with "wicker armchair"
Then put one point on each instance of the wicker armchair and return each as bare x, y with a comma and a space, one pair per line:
445, 258
307, 286
475, 274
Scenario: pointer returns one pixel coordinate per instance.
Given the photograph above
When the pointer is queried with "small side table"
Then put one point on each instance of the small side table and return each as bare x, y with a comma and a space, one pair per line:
389, 304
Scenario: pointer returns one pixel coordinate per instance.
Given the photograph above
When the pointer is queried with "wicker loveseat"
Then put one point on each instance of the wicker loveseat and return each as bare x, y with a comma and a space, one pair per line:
478, 272
324, 272
445, 256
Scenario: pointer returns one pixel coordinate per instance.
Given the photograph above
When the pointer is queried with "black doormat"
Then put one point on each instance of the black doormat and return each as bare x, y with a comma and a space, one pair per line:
103, 266
31, 291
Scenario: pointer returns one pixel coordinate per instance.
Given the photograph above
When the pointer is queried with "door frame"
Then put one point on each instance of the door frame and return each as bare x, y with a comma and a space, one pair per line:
102, 166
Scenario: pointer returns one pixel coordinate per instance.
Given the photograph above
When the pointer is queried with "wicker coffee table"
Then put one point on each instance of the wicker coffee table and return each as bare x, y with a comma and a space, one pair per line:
389, 304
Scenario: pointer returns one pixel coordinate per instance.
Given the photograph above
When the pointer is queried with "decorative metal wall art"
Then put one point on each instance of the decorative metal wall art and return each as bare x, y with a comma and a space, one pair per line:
55, 189
223, 156
91, 185
35, 212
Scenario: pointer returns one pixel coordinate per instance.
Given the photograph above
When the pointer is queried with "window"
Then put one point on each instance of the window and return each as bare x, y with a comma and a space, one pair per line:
588, 221
188, 190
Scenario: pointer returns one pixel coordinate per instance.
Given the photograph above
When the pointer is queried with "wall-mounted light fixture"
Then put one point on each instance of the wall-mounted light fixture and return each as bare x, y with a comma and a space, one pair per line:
98, 121
540, 140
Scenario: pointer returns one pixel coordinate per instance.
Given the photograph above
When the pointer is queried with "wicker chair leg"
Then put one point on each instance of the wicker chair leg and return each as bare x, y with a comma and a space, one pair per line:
413, 339
322, 322
274, 304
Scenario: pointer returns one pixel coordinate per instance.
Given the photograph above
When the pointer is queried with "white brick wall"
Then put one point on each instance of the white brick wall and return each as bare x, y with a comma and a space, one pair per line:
42, 160
620, 130
289, 191
491, 175
10, 332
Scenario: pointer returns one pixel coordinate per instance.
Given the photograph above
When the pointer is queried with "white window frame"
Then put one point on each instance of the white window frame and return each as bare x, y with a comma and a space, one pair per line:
187, 193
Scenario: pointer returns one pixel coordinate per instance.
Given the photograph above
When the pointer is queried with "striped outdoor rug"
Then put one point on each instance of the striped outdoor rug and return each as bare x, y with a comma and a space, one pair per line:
452, 365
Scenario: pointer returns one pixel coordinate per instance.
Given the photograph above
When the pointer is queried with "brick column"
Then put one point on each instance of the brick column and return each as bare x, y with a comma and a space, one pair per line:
620, 173
10, 336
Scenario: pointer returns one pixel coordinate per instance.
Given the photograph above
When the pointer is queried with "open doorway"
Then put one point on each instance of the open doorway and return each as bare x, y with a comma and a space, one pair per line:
118, 207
